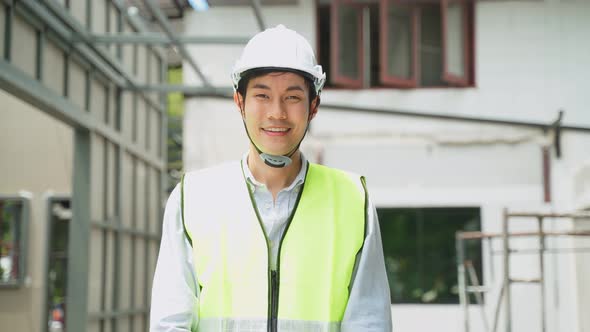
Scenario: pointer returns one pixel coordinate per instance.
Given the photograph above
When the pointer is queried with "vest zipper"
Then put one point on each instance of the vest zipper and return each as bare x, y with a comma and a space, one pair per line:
273, 275
274, 300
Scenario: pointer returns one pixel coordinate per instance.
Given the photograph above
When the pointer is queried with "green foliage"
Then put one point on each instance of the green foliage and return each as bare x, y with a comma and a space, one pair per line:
10, 216
175, 115
175, 99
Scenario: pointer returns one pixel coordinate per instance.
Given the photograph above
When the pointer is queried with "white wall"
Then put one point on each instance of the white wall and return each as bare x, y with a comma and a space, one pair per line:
531, 61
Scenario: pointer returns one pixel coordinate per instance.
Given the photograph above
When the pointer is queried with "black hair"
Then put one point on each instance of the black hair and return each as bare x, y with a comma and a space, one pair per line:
257, 72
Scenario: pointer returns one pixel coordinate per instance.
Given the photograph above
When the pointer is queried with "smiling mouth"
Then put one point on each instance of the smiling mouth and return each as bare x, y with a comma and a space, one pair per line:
276, 131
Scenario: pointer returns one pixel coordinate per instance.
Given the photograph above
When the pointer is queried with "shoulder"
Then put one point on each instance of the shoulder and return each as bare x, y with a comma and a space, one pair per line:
340, 175
174, 197
332, 170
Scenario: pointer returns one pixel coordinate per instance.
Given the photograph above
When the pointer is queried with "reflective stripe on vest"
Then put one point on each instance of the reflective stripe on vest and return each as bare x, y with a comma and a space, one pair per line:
309, 290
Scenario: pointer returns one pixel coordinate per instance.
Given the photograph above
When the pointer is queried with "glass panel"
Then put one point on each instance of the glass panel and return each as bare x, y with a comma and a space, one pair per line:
399, 43
140, 62
108, 270
10, 251
128, 104
98, 99
53, 67
455, 40
77, 84
140, 276
99, 12
349, 39
78, 10
126, 280
431, 66
420, 256
113, 23
95, 268
24, 39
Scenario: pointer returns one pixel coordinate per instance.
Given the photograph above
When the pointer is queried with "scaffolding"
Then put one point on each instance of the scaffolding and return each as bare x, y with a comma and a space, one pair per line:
465, 269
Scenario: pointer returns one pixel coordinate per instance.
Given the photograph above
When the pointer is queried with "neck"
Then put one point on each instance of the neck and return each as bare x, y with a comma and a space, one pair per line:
274, 178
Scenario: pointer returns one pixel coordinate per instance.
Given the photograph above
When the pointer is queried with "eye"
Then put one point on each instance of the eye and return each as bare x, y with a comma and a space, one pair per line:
261, 96
294, 98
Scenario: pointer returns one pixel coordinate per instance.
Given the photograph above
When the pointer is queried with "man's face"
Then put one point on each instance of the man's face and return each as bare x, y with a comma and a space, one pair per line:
276, 111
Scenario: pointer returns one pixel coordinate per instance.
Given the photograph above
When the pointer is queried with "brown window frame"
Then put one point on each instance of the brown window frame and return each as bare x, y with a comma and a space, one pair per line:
336, 77
385, 80
384, 77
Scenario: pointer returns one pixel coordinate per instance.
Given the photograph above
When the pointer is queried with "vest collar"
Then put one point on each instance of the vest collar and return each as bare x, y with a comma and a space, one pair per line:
255, 185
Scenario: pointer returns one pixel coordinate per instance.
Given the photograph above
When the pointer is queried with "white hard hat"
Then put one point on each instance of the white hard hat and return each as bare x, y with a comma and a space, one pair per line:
279, 48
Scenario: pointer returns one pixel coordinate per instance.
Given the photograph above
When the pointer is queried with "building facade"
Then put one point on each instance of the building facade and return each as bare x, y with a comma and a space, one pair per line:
82, 167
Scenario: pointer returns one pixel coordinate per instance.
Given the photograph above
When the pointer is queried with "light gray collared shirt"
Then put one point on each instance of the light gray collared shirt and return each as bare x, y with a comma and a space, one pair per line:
174, 304
274, 213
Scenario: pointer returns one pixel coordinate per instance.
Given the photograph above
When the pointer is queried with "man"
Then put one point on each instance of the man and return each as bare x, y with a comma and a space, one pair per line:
274, 242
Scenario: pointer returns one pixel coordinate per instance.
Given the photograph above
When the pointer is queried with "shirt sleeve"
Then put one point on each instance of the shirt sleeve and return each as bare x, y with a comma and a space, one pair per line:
174, 292
369, 303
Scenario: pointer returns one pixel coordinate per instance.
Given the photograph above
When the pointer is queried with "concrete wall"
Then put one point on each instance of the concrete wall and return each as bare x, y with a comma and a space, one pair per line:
36, 157
531, 61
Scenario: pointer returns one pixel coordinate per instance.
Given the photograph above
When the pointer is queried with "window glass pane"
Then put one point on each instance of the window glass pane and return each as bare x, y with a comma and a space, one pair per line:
455, 40
431, 65
420, 255
324, 34
348, 54
58, 263
10, 251
399, 43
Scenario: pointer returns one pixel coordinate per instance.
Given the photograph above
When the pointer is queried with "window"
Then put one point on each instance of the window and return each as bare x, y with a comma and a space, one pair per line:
13, 216
420, 255
396, 43
60, 215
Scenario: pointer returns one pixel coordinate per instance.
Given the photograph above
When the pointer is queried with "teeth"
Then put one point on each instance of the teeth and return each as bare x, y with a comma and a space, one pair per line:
277, 129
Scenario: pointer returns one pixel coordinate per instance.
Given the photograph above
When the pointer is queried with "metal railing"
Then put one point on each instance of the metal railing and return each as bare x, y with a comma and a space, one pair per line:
466, 270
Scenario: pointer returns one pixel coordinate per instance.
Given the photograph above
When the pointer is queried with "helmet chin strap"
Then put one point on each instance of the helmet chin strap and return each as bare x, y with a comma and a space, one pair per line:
276, 161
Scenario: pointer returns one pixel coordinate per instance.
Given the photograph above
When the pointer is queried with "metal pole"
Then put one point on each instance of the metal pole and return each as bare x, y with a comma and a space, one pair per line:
490, 249
478, 297
525, 124
542, 272
151, 38
463, 296
498, 305
258, 14
79, 235
163, 22
506, 248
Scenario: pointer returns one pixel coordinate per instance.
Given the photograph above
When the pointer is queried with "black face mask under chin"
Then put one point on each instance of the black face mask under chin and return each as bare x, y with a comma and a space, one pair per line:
271, 160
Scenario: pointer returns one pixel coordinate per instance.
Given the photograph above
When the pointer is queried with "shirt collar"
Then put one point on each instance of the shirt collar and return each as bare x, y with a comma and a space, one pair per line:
256, 185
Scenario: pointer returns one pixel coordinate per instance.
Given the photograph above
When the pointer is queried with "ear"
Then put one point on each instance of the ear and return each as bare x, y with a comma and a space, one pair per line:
239, 101
313, 110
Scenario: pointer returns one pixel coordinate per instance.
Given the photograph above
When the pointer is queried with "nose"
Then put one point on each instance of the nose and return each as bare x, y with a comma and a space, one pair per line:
277, 111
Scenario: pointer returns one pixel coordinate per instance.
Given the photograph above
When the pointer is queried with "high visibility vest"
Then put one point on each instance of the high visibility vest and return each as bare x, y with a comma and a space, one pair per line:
309, 289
